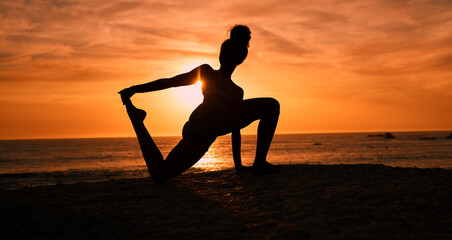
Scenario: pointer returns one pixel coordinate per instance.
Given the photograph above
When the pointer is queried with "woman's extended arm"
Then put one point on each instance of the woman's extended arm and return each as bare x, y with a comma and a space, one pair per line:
183, 79
236, 139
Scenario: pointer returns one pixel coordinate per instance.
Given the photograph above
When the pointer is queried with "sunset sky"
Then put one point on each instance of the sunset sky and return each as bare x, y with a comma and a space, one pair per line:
335, 66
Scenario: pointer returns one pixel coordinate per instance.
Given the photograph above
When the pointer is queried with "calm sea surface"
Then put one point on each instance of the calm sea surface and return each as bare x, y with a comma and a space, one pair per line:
28, 163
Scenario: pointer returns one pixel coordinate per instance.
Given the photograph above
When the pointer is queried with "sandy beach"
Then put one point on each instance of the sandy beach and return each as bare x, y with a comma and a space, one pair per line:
300, 202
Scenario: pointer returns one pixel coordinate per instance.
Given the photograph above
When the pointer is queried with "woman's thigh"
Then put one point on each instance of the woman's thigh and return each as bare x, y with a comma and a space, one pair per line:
184, 155
239, 115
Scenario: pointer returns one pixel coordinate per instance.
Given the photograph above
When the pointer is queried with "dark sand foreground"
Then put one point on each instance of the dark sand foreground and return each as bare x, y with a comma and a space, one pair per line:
301, 202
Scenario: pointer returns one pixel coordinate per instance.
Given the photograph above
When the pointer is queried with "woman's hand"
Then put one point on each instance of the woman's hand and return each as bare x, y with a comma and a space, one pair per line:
126, 94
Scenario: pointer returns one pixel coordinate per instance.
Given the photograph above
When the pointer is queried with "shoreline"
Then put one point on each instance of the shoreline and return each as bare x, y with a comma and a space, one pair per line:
18, 181
302, 201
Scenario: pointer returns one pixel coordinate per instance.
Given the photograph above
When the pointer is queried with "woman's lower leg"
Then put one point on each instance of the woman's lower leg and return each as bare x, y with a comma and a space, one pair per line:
238, 116
151, 154
265, 132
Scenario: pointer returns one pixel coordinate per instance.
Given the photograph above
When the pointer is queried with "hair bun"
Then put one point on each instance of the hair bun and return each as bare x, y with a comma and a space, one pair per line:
240, 33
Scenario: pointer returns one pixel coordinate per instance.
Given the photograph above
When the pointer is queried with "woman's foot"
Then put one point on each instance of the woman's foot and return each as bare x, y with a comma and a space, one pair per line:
265, 168
135, 114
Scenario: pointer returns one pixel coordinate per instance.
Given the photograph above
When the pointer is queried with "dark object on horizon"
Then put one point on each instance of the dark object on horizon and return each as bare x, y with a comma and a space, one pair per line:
318, 144
375, 135
449, 137
389, 136
428, 138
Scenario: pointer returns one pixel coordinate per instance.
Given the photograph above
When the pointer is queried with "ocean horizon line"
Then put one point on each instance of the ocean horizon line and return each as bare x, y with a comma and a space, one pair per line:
246, 134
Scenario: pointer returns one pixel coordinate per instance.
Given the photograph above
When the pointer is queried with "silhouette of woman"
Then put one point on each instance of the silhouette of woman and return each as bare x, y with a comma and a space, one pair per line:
222, 111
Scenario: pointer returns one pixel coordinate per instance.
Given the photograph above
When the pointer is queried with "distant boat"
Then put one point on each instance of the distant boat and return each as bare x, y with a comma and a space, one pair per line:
450, 136
389, 136
375, 135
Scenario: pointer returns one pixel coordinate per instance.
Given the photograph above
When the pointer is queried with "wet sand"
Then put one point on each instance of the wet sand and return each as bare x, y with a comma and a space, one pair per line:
300, 202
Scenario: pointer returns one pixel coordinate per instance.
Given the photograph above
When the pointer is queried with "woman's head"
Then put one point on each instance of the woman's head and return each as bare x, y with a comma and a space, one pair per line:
235, 49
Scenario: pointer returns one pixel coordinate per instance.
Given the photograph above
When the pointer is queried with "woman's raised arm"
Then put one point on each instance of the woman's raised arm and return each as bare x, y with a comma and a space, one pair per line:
183, 79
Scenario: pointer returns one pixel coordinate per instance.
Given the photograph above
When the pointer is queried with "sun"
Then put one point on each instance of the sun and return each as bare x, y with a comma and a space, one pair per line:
189, 96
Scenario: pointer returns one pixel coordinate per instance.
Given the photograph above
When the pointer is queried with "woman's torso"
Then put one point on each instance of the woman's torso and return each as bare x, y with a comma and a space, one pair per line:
218, 92
217, 89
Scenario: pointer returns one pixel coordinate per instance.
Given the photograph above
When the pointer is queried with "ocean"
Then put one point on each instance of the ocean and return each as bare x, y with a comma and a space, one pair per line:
30, 163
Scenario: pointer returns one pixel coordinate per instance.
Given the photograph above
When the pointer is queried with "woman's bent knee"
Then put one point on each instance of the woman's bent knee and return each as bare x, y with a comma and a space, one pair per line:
186, 153
158, 179
273, 106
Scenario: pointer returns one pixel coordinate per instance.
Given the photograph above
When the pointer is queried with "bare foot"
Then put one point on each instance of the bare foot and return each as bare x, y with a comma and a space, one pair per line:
265, 168
135, 114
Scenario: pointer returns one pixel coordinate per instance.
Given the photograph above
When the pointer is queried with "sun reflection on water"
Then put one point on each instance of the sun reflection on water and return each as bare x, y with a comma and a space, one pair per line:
211, 161
207, 163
